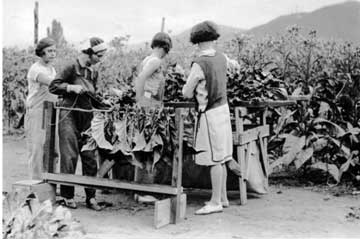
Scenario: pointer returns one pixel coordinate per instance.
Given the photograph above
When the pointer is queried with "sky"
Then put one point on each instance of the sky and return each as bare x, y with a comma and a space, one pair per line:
140, 19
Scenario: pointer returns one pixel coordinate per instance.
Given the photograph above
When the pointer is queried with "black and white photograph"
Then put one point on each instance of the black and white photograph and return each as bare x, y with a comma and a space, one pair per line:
203, 119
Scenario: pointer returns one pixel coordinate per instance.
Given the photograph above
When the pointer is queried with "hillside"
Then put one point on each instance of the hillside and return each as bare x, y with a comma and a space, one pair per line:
339, 21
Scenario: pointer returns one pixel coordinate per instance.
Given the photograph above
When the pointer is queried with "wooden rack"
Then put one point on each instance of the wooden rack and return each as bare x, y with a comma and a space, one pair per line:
173, 209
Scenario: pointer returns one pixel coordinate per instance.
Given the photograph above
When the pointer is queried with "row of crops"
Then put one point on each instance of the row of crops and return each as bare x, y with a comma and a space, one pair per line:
321, 133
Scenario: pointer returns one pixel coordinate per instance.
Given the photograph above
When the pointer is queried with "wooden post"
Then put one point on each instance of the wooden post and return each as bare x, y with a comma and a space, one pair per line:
239, 113
177, 167
264, 146
163, 25
49, 146
36, 22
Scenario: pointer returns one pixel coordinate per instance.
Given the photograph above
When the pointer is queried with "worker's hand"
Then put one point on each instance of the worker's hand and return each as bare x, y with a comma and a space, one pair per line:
78, 89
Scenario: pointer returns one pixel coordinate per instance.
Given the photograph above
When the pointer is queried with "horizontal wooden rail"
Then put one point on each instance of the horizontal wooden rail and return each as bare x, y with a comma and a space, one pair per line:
95, 182
248, 104
264, 104
250, 135
300, 97
180, 104
84, 110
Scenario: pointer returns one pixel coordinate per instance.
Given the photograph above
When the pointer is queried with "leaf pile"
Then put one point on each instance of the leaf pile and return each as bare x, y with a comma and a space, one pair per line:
32, 219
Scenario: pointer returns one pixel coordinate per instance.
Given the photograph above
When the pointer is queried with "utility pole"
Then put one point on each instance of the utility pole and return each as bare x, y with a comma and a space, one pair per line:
36, 22
163, 24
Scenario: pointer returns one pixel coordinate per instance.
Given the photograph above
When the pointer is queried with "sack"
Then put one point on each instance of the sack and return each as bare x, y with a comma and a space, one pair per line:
255, 178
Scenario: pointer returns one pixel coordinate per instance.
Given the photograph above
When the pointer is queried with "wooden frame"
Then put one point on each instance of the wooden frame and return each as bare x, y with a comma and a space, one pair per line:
177, 201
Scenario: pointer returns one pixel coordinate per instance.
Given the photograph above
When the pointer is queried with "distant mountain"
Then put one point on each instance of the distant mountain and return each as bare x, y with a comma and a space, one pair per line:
339, 21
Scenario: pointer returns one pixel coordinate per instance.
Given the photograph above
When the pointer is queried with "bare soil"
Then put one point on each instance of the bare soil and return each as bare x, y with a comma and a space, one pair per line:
285, 212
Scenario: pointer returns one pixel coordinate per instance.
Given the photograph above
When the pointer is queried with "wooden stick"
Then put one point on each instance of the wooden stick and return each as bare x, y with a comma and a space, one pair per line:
49, 145
82, 110
36, 22
239, 113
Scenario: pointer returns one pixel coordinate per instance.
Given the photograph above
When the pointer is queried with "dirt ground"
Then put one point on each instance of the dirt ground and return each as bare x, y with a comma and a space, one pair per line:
285, 212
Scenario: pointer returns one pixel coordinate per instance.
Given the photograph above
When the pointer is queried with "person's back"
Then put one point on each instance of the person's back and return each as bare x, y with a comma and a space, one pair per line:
214, 69
150, 83
155, 83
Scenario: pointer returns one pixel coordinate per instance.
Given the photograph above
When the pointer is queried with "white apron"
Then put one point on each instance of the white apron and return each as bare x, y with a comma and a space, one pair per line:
214, 136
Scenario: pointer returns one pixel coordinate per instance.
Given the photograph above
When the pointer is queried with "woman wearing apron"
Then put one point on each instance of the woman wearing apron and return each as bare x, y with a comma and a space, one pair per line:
207, 84
39, 76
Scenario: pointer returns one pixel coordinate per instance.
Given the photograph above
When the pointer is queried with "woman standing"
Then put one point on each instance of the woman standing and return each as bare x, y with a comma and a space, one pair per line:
207, 84
76, 84
40, 74
150, 82
150, 85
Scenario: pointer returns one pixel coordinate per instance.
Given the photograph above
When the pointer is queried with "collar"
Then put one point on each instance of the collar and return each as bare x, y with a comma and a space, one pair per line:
81, 65
207, 52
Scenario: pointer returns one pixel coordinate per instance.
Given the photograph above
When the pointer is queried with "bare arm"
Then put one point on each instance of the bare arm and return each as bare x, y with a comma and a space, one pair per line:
196, 74
146, 72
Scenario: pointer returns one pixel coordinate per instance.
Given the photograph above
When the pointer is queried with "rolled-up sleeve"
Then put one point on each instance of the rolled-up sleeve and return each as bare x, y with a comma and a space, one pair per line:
196, 74
59, 85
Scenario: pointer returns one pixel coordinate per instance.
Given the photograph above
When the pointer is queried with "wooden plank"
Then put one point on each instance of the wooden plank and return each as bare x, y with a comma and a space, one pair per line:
300, 97
163, 210
162, 214
180, 104
183, 205
250, 135
179, 206
105, 167
175, 153
263, 156
266, 162
94, 182
49, 145
248, 104
247, 159
263, 104
239, 113
264, 147
175, 215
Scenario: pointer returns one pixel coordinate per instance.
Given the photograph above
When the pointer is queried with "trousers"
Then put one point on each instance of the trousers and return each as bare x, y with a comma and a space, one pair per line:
71, 125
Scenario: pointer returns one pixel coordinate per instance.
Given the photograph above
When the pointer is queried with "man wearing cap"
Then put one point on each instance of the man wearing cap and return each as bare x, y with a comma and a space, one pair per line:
76, 84
39, 76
